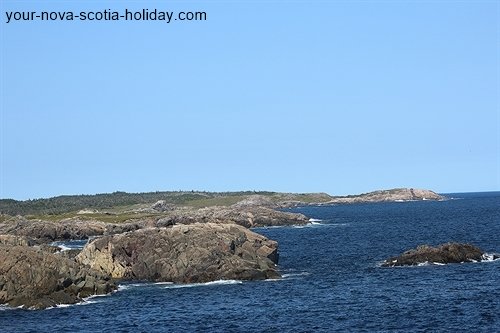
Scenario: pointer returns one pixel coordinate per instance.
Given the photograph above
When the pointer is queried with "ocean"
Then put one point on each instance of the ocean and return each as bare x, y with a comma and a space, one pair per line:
332, 280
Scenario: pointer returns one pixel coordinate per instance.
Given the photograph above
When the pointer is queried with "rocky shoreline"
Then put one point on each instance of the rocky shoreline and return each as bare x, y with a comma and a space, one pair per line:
186, 246
34, 278
167, 244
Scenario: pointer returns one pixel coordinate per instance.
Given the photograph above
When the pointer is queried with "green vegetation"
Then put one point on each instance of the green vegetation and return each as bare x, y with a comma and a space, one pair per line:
128, 205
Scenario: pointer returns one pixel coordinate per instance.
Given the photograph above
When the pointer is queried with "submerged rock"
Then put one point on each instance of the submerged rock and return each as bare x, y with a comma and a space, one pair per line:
443, 254
39, 279
184, 254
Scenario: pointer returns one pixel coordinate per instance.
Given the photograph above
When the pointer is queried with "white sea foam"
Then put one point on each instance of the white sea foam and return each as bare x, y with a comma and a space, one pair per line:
314, 220
272, 280
86, 301
122, 287
69, 245
490, 257
212, 283
487, 257
294, 275
318, 224
309, 225
424, 263
64, 247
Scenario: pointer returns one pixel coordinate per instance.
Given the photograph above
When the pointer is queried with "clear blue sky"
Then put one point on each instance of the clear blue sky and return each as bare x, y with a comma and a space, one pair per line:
302, 96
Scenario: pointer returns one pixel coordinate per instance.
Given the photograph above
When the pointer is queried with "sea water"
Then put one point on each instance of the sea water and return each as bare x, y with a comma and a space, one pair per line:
332, 280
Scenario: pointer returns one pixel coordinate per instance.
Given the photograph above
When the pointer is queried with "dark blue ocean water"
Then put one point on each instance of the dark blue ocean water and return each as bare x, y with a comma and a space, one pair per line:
332, 281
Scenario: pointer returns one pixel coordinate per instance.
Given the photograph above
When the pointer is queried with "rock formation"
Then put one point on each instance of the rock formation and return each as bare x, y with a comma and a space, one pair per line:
13, 240
47, 231
246, 216
398, 194
443, 254
40, 231
39, 279
184, 253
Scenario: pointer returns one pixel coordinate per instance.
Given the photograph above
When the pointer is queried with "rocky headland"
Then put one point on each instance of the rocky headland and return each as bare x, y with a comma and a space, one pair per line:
394, 195
84, 227
42, 231
441, 254
245, 215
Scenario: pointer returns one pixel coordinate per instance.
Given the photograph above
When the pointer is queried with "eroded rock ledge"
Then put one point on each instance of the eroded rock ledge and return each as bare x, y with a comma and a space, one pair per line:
442, 254
198, 252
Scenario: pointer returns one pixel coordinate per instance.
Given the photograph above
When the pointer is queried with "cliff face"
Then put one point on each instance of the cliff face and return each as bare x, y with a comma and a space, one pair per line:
184, 253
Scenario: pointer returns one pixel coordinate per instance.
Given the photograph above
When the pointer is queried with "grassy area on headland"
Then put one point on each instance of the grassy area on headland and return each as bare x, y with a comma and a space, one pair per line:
122, 206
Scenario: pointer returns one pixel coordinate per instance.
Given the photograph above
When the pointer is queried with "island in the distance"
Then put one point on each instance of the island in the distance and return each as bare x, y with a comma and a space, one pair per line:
158, 236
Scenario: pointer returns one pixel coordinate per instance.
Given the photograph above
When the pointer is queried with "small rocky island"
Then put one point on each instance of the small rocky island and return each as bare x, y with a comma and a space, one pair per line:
441, 254
180, 237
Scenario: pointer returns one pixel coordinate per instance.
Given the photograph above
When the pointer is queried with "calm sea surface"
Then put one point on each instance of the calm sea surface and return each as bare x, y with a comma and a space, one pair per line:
332, 281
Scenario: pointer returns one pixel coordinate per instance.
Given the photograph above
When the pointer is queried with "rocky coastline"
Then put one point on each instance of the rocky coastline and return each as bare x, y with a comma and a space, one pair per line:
34, 278
160, 241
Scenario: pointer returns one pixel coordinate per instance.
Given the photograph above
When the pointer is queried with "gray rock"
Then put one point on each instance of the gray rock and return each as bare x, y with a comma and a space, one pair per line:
444, 254
245, 216
393, 195
15, 240
184, 253
38, 279
39, 231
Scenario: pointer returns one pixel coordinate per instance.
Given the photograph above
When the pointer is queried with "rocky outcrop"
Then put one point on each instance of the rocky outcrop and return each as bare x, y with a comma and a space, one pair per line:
442, 254
256, 200
162, 206
38, 279
245, 216
184, 254
41, 231
394, 195
47, 231
13, 240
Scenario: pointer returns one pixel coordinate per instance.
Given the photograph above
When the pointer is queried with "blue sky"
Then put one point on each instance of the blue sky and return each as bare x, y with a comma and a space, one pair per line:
299, 96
